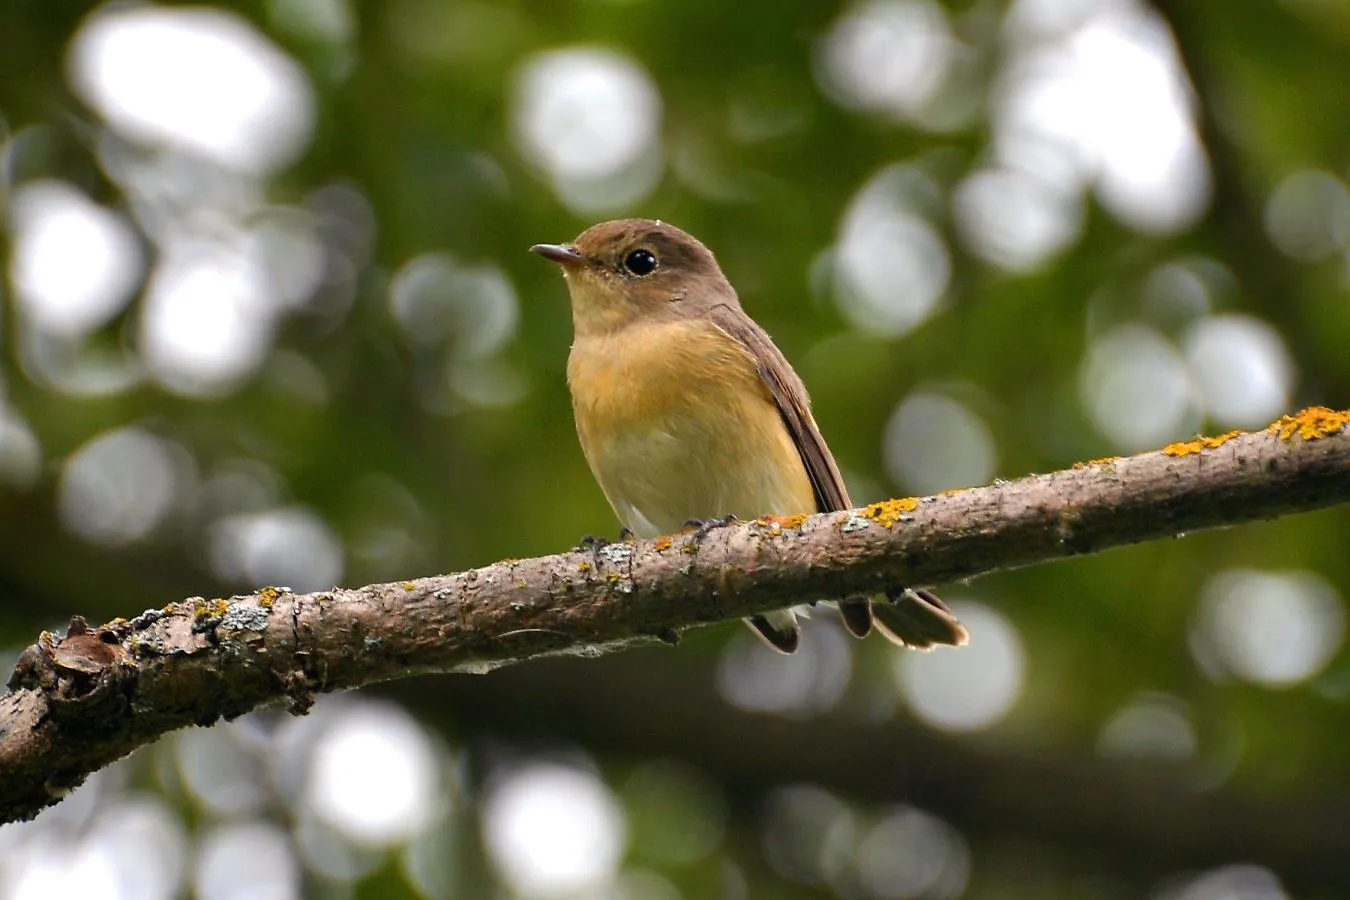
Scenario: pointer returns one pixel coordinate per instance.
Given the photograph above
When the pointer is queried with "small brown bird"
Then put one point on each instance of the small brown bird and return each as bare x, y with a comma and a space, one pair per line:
686, 410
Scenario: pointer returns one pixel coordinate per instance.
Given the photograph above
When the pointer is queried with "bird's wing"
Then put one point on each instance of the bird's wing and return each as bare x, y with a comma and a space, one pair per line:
789, 395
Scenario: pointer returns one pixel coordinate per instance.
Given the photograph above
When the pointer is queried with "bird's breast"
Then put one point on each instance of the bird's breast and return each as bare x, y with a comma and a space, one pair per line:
677, 424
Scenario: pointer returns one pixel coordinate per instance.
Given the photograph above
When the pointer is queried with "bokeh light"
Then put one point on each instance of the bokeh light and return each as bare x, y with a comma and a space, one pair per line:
590, 118
814, 837
752, 676
209, 316
1137, 388
1308, 215
1151, 726
291, 546
887, 56
329, 792
1239, 881
373, 775
198, 78
971, 689
1241, 367
20, 451
329, 853
1094, 94
330, 21
219, 768
240, 484
891, 267
134, 848
75, 264
809, 835
642, 884
121, 485
246, 861
431, 870
434, 298
472, 310
1016, 219
934, 442
909, 853
553, 830
1274, 628
1180, 291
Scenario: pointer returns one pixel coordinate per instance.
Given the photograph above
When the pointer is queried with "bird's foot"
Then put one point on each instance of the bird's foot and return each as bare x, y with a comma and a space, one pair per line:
592, 543
596, 544
703, 526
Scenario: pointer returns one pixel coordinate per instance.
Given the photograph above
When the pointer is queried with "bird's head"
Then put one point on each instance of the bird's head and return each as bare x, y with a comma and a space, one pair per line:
630, 270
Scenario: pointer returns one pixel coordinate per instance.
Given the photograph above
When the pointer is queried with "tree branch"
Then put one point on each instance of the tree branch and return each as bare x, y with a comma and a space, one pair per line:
79, 702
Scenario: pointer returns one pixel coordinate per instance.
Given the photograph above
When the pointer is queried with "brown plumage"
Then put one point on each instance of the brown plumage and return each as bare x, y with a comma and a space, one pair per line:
687, 410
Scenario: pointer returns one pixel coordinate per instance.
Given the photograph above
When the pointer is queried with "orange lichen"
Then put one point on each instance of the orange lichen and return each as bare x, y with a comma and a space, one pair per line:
782, 521
1186, 448
209, 609
583, 566
887, 512
1102, 461
1310, 424
662, 543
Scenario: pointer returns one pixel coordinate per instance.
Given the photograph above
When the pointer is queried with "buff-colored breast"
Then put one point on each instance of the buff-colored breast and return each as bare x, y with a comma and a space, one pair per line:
676, 425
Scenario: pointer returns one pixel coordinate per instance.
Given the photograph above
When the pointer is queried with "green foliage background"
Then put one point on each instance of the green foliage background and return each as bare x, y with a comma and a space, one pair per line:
414, 114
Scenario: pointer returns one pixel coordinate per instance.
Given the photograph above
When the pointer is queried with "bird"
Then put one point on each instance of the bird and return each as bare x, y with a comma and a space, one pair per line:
687, 411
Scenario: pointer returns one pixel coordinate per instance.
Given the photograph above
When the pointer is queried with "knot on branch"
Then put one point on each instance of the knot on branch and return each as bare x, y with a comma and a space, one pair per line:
83, 676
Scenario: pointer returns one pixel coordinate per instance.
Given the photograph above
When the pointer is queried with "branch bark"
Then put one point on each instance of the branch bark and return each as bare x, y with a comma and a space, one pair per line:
79, 702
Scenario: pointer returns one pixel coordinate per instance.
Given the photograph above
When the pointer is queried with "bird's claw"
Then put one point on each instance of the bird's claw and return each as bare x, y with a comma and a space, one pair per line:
703, 526
592, 543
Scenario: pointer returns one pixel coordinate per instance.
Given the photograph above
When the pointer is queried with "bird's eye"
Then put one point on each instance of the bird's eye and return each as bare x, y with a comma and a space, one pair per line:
640, 262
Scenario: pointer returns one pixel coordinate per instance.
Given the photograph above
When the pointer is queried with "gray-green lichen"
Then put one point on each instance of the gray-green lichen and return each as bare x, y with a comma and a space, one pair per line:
244, 617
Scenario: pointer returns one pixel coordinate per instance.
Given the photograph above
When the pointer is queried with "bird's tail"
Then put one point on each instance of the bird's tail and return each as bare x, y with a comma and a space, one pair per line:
917, 619
857, 616
910, 618
778, 629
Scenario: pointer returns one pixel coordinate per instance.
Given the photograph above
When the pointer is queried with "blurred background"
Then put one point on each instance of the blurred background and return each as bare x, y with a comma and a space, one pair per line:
268, 318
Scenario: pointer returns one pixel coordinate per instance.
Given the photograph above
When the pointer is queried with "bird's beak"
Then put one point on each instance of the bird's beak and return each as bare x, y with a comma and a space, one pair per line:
561, 254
